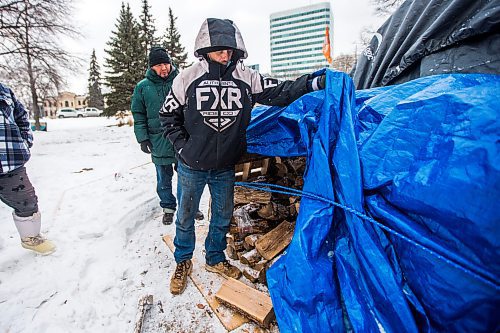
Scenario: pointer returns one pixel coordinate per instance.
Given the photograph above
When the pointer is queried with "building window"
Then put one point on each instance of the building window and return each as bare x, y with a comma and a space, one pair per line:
301, 14
66, 103
79, 102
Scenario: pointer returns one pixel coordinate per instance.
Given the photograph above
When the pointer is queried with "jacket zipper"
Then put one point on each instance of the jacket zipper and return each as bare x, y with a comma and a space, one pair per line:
219, 116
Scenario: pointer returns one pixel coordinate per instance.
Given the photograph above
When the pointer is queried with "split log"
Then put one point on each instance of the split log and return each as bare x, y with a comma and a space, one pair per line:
250, 258
244, 195
297, 166
276, 240
232, 253
292, 211
299, 182
145, 303
250, 241
256, 227
238, 245
251, 274
247, 246
240, 255
260, 265
278, 169
274, 212
263, 272
248, 301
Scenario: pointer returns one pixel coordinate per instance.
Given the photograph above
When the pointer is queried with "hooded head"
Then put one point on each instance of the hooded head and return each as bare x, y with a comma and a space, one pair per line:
158, 55
219, 34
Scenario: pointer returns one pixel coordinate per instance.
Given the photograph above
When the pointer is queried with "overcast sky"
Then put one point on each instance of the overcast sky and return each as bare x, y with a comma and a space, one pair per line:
97, 19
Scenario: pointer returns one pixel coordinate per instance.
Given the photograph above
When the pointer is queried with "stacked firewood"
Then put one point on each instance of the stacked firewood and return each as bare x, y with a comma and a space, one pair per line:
263, 222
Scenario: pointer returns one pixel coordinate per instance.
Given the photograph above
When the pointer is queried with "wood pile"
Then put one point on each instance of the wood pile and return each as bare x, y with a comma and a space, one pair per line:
263, 223
261, 228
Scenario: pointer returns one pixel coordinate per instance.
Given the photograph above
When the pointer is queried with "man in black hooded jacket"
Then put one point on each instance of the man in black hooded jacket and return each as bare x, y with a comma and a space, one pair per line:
205, 116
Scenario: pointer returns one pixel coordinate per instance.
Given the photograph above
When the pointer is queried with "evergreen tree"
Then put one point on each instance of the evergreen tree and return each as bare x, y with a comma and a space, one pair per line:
172, 42
96, 99
147, 31
125, 62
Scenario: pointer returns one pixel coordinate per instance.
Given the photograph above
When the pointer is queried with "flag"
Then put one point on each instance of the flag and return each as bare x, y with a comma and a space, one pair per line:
326, 46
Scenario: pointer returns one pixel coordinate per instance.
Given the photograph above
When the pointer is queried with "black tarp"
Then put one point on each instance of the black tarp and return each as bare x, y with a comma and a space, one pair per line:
424, 38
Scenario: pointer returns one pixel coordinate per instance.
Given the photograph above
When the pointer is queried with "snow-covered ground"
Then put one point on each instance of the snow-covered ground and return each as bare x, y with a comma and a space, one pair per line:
97, 197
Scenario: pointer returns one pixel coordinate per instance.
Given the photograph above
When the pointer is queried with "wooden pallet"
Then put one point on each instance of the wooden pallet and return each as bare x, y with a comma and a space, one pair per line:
251, 165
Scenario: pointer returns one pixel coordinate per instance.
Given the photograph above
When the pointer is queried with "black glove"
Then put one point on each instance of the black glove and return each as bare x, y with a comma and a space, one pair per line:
146, 146
316, 82
321, 82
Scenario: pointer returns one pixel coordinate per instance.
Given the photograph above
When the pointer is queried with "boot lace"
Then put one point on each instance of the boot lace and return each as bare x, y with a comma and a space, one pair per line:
226, 265
180, 269
34, 241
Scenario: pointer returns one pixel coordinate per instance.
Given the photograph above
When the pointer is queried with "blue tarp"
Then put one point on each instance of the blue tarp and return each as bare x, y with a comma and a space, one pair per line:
419, 163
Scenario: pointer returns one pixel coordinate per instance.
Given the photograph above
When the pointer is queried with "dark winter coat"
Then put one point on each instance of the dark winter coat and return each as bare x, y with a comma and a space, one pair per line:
15, 132
207, 112
149, 95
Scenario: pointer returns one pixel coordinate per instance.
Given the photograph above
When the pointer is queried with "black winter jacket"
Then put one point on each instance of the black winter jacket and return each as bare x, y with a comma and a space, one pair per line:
207, 112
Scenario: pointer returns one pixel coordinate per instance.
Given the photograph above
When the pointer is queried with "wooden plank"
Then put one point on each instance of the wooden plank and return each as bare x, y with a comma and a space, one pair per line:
265, 166
145, 303
249, 301
246, 171
230, 320
276, 240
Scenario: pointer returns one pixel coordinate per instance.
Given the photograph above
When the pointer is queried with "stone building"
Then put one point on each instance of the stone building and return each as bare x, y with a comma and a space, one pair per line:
65, 99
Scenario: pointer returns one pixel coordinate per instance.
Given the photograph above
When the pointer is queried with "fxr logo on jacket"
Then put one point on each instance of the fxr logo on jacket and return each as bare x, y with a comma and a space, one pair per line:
219, 105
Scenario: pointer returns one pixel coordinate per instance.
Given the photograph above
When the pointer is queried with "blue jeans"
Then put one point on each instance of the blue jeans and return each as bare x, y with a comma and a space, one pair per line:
189, 190
164, 174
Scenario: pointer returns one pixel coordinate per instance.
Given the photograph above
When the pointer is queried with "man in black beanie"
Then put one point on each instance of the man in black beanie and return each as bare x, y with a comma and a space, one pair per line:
147, 100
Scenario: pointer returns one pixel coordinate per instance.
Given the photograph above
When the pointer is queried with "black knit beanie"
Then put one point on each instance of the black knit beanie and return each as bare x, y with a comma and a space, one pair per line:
158, 55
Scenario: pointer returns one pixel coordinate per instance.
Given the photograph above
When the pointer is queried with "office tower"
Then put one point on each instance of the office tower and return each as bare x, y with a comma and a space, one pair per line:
297, 37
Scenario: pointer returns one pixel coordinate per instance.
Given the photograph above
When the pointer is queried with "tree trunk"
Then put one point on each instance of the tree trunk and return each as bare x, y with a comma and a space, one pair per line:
34, 96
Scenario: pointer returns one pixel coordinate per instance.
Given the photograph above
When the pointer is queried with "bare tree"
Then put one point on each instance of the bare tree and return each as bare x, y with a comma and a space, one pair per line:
31, 56
386, 7
344, 62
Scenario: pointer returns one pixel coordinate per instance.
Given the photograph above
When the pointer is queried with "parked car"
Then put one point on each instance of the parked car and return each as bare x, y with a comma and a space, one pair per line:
69, 113
91, 112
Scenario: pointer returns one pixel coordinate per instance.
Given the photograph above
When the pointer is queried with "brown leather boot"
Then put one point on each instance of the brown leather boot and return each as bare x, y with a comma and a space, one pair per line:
225, 269
178, 281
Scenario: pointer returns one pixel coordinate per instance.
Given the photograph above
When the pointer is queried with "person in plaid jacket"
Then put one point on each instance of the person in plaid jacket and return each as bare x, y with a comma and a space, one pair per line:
16, 190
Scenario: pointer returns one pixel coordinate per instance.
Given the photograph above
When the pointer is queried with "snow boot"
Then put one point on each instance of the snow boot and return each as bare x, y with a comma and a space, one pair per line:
29, 231
178, 282
38, 244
